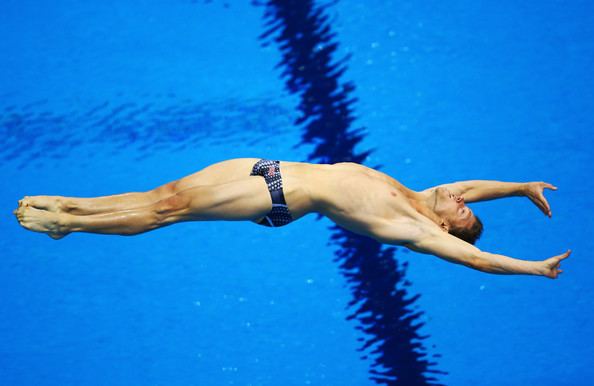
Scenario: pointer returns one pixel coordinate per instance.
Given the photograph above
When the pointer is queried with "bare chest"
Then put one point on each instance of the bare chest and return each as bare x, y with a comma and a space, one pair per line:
359, 198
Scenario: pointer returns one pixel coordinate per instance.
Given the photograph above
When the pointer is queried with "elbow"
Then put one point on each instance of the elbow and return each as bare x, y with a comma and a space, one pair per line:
484, 262
478, 263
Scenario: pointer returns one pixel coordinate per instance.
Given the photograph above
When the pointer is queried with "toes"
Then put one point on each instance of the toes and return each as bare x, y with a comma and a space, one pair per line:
20, 214
40, 221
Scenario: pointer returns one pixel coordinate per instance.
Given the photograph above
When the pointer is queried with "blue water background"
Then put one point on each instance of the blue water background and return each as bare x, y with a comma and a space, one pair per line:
446, 91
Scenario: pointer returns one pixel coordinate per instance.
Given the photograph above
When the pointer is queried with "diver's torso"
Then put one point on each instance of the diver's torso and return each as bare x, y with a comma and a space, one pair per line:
352, 195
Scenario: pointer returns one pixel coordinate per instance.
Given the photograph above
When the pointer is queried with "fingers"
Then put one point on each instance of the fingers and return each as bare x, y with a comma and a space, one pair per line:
549, 186
543, 204
556, 262
536, 194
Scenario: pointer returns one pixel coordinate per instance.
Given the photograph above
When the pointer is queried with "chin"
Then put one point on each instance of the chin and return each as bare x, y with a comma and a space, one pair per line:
442, 194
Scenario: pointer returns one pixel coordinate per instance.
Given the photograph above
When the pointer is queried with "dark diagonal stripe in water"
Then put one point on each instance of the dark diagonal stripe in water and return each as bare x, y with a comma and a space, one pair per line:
382, 305
33, 131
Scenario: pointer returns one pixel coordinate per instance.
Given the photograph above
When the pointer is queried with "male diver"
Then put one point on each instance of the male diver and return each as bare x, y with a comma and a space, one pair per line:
363, 200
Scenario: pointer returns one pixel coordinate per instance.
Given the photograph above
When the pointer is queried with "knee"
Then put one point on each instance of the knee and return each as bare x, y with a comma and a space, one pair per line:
165, 191
171, 208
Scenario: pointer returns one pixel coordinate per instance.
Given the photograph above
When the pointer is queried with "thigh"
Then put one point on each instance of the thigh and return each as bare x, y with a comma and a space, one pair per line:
244, 199
218, 173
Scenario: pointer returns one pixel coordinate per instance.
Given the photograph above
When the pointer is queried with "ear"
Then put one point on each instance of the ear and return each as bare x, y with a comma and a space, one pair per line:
444, 226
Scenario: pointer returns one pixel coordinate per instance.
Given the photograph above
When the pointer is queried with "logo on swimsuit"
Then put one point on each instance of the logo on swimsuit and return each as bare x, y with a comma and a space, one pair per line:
271, 171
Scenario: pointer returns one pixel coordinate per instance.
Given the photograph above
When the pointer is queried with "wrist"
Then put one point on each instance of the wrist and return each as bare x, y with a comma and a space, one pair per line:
538, 269
522, 189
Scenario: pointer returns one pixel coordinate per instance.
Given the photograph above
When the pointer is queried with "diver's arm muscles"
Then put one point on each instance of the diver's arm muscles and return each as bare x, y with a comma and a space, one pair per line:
482, 190
457, 251
479, 190
432, 240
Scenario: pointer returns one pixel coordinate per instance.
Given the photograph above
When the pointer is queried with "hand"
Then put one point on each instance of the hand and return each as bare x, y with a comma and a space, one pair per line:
551, 267
534, 191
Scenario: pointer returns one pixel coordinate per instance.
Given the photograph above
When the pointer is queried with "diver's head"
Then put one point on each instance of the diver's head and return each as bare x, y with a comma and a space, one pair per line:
457, 218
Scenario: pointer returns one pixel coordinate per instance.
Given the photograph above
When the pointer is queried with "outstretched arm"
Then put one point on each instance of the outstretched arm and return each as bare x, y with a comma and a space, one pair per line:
457, 251
480, 190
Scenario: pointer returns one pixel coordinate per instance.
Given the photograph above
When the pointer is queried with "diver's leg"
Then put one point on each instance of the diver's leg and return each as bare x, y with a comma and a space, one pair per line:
86, 206
93, 205
245, 199
221, 172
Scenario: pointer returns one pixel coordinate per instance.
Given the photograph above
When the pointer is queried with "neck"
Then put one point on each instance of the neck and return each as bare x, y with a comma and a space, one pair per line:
426, 207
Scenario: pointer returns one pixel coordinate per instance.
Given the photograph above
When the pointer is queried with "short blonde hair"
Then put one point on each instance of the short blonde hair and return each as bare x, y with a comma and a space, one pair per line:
469, 234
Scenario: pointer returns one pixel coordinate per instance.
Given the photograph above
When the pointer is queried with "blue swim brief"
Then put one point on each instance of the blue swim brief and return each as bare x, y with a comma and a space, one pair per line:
279, 215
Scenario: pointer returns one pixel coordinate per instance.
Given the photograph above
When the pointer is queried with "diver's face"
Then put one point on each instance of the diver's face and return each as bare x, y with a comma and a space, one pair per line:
452, 208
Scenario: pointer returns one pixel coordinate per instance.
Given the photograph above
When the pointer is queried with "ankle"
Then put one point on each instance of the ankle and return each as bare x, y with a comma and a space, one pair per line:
65, 205
64, 223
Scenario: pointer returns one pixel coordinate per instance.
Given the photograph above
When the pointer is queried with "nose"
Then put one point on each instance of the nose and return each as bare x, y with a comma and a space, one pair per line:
460, 199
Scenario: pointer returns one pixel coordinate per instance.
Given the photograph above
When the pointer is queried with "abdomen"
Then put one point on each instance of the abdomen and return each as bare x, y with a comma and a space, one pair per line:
353, 197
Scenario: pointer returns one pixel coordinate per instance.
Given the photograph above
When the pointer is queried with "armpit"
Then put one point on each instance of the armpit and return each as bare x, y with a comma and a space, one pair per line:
398, 232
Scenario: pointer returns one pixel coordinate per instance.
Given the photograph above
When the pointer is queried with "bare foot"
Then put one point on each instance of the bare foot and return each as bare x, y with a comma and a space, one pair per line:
49, 203
40, 221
